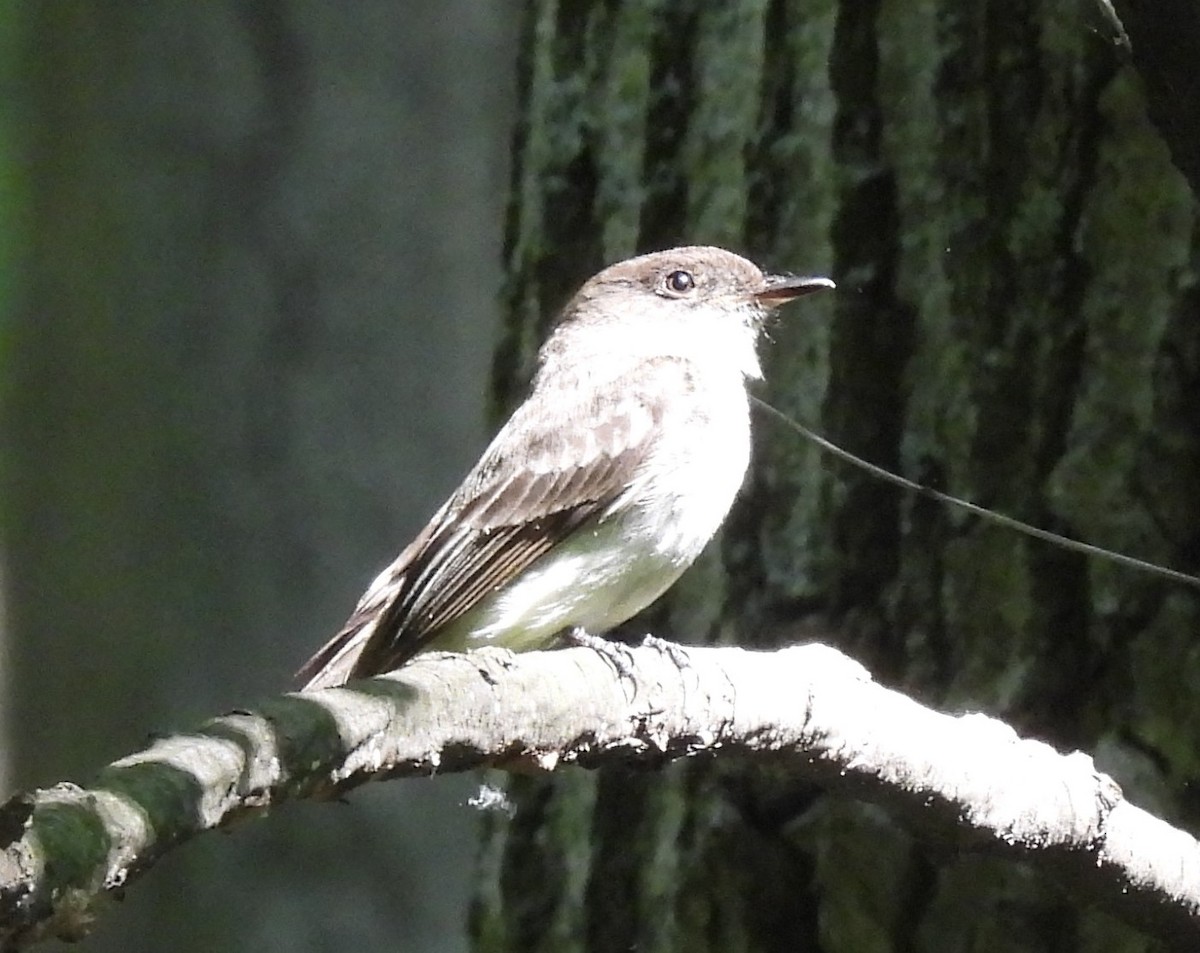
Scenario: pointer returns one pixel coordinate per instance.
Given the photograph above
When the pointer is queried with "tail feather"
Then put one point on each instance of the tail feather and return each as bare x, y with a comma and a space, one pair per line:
335, 662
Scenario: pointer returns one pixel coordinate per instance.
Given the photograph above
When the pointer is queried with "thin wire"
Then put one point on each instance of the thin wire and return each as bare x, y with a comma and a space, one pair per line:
1066, 542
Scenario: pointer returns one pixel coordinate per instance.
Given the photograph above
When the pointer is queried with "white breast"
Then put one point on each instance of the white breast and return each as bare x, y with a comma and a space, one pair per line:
684, 491
616, 566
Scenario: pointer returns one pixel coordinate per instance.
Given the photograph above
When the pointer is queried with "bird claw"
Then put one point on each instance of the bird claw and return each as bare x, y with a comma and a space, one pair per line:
615, 653
578, 636
673, 650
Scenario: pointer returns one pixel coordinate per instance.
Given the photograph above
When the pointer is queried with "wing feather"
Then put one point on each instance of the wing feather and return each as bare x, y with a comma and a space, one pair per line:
561, 460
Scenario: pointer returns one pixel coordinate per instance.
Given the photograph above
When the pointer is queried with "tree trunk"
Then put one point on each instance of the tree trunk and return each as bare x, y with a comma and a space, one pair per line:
1016, 323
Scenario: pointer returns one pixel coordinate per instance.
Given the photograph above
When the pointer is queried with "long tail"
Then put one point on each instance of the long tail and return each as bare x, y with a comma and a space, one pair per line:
335, 662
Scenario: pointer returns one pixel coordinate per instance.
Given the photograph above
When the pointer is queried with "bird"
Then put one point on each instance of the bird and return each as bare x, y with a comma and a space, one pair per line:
602, 487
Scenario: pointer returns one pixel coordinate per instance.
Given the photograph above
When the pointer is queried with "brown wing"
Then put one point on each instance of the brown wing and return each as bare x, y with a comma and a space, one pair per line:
562, 458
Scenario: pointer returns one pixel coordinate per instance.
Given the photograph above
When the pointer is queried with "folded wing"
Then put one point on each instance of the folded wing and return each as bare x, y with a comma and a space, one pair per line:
562, 459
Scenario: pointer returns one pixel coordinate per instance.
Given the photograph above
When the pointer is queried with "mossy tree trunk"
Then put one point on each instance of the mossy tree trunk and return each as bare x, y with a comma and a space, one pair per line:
1016, 323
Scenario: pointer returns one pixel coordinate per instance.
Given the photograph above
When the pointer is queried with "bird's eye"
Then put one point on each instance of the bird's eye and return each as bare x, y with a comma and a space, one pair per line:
680, 282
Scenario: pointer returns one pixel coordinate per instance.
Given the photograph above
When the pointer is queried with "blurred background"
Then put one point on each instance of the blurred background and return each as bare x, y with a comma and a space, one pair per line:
251, 264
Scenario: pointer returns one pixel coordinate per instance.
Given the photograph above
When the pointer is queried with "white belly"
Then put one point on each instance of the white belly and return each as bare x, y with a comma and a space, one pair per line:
614, 567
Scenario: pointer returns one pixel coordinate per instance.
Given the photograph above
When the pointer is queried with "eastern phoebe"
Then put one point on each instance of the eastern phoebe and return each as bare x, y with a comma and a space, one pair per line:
603, 487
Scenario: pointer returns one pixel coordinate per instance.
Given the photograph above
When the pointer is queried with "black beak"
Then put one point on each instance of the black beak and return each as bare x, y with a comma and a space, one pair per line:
780, 288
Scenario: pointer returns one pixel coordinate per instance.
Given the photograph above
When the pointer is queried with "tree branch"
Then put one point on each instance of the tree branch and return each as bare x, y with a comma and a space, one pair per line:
967, 777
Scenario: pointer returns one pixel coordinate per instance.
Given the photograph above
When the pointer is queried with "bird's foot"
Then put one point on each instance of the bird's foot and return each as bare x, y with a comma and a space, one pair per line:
673, 650
577, 635
615, 653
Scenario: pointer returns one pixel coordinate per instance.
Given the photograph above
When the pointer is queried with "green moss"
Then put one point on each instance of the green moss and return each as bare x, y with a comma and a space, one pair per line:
667, 809
74, 842
862, 880
623, 97
1164, 677
728, 77
987, 601
1136, 237
934, 210
799, 197
170, 799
